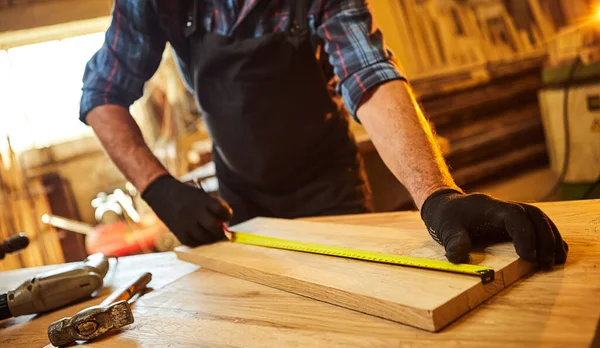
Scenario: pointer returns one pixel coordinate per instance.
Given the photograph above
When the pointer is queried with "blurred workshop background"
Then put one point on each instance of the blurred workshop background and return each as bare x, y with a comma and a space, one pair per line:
512, 88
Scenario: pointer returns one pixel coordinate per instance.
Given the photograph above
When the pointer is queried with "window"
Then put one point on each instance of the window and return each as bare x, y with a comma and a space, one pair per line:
40, 89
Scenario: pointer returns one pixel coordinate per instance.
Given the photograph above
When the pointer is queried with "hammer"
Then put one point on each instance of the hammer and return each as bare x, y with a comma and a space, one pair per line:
114, 312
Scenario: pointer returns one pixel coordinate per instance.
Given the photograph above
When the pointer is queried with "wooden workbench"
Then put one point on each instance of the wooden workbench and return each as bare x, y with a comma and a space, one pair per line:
195, 307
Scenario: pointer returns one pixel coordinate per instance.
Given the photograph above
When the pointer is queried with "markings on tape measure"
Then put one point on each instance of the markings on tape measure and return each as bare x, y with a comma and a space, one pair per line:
485, 273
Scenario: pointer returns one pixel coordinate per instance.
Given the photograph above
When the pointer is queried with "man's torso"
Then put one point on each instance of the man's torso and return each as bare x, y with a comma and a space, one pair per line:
254, 18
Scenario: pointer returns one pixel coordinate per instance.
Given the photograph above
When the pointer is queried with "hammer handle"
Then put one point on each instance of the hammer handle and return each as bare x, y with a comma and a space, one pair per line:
128, 291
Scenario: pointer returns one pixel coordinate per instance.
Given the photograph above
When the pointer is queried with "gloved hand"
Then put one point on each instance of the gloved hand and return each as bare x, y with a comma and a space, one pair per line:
191, 214
458, 221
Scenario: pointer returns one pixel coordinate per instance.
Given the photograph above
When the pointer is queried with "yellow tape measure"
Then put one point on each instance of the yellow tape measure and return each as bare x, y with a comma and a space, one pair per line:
486, 273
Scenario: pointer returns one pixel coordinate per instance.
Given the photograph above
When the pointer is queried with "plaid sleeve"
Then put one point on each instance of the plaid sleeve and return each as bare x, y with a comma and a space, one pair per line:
356, 49
130, 55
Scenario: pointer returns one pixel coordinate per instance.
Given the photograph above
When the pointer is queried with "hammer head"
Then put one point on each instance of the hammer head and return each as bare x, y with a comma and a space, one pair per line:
90, 323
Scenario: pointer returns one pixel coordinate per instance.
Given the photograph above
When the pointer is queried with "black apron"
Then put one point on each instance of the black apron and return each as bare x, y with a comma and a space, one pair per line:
281, 144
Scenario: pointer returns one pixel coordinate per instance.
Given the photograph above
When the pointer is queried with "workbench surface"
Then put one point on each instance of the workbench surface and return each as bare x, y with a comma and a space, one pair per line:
195, 307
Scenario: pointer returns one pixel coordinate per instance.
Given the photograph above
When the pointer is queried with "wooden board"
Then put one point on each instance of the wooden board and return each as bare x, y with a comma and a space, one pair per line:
559, 308
425, 299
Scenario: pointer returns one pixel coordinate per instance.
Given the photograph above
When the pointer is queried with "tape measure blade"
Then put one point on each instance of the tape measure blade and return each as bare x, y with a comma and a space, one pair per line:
485, 273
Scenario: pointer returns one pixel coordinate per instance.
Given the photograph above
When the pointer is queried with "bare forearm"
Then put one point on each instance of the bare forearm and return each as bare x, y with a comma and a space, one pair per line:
122, 139
404, 140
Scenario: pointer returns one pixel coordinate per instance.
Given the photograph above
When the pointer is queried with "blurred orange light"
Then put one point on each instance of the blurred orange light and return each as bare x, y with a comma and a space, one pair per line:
597, 15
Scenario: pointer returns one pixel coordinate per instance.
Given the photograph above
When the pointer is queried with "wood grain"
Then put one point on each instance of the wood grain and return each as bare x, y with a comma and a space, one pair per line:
559, 308
31, 330
544, 23
23, 200
422, 298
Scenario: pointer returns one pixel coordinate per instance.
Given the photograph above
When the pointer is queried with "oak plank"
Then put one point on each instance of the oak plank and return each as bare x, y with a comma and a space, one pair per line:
425, 299
559, 308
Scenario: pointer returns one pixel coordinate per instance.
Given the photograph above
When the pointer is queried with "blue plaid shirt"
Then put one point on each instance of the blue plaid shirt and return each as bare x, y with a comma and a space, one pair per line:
139, 31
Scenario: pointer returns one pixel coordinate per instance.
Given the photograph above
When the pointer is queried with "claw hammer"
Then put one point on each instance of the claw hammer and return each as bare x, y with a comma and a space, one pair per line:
114, 312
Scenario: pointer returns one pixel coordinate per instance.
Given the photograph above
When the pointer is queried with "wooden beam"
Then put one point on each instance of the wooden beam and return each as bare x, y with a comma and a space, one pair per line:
519, 11
10, 39
528, 157
30, 15
574, 11
444, 110
386, 17
545, 25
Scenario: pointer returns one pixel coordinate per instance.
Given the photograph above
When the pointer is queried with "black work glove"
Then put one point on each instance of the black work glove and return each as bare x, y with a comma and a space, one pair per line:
458, 221
190, 213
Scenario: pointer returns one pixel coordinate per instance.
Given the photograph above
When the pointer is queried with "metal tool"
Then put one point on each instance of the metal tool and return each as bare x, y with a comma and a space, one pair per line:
485, 273
116, 239
127, 292
50, 290
114, 312
12, 244
68, 224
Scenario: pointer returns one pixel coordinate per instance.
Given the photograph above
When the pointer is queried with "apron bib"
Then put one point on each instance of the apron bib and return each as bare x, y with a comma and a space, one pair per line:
281, 145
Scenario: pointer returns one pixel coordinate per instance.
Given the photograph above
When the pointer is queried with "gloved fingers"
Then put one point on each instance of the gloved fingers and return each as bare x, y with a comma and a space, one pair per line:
195, 232
561, 248
212, 227
186, 239
520, 228
545, 237
220, 209
198, 236
457, 242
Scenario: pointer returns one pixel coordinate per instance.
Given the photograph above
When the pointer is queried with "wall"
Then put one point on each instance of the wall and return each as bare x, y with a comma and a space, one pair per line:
25, 14
386, 14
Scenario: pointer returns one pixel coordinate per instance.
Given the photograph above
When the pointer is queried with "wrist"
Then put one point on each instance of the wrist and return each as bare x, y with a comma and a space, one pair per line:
432, 190
143, 182
430, 210
156, 182
429, 205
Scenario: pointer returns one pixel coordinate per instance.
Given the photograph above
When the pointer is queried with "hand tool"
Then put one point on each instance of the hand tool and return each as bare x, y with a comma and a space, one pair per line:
485, 273
53, 289
114, 312
115, 239
68, 224
13, 244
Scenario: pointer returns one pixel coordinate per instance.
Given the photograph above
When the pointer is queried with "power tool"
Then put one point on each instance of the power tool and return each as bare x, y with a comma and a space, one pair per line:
53, 289
12, 244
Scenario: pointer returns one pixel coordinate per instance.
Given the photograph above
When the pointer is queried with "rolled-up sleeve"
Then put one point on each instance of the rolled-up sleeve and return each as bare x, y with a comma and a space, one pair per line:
130, 55
356, 49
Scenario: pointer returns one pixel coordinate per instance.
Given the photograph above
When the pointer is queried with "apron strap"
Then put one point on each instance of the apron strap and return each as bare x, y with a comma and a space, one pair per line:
190, 16
298, 21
